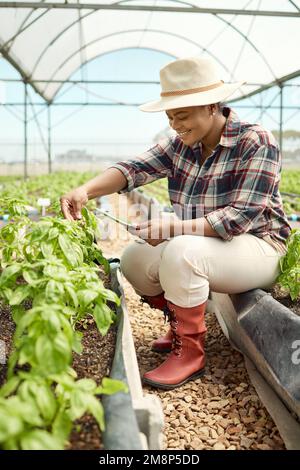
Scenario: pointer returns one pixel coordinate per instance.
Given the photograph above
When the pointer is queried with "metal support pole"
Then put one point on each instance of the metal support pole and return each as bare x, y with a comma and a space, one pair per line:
49, 140
25, 132
281, 117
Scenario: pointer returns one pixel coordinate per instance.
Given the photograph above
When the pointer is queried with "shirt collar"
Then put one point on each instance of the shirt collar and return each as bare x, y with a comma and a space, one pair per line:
232, 128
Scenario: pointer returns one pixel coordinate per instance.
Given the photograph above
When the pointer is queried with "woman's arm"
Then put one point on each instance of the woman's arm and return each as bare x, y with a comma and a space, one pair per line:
111, 181
157, 230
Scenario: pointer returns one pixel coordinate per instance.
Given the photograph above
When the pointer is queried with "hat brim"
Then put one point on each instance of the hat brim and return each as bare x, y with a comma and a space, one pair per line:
216, 95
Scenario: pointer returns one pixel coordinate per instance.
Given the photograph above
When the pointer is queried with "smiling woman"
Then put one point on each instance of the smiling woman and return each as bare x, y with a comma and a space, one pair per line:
230, 231
195, 124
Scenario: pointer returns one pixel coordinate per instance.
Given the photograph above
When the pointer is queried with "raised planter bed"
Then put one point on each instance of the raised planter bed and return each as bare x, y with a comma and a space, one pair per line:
268, 334
133, 420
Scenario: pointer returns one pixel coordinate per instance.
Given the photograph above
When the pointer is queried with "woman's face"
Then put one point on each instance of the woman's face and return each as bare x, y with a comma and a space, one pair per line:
191, 124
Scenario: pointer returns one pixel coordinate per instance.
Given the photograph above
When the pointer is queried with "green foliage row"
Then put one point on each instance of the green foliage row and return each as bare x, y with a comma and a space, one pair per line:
49, 265
289, 277
45, 186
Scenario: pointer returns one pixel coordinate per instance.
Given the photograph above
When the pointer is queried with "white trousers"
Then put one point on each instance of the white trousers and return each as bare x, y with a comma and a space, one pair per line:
188, 266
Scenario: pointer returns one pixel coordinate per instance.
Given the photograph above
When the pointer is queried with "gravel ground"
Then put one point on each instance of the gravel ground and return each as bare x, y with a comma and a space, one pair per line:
219, 411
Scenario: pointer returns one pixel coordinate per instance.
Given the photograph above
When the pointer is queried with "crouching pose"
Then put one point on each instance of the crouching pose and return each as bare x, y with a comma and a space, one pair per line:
230, 229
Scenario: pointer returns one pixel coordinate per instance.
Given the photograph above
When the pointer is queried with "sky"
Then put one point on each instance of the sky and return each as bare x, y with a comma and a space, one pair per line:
105, 130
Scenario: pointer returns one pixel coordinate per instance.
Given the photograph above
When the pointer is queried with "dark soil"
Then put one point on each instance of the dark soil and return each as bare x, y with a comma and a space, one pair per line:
282, 296
94, 362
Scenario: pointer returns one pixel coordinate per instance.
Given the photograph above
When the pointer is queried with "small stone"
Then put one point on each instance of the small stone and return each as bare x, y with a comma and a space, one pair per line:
214, 434
175, 423
263, 447
219, 446
233, 429
183, 421
245, 442
204, 430
196, 444
188, 398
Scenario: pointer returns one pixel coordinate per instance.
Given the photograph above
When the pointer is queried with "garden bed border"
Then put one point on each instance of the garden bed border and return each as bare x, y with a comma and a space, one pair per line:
133, 421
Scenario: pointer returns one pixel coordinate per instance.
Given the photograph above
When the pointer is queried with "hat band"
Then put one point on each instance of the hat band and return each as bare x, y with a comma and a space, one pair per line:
192, 90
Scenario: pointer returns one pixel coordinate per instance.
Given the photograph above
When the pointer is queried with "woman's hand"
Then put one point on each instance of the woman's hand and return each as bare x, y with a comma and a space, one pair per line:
72, 203
156, 231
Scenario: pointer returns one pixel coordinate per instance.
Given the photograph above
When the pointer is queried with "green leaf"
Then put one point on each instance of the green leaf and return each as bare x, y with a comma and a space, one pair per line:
17, 312
103, 316
62, 425
54, 290
77, 345
47, 249
53, 355
20, 294
9, 272
27, 410
53, 233
67, 248
78, 402
32, 278
46, 402
111, 386
58, 273
86, 385
96, 409
10, 386
41, 440
86, 297
10, 425
72, 294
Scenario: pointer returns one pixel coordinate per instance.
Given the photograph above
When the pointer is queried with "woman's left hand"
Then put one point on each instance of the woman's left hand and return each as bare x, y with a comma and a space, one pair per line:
156, 231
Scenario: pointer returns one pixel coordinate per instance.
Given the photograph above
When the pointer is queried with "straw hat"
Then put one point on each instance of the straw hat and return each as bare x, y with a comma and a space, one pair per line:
190, 82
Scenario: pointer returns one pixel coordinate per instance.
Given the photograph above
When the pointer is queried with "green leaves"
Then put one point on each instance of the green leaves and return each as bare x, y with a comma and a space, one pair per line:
52, 265
103, 317
9, 273
72, 252
111, 386
41, 440
290, 266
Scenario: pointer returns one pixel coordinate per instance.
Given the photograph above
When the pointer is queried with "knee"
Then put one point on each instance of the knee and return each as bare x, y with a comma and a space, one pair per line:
183, 255
132, 260
173, 261
175, 253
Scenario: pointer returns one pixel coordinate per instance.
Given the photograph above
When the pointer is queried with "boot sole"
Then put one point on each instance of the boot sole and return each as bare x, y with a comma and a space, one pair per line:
157, 350
194, 376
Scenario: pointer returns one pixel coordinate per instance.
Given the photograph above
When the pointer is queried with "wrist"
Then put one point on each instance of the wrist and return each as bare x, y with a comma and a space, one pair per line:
90, 193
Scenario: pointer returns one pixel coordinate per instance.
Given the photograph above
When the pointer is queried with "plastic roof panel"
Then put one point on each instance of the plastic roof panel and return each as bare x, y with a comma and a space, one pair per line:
51, 44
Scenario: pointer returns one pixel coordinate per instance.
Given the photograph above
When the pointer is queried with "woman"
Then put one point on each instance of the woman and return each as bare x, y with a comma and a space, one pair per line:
230, 231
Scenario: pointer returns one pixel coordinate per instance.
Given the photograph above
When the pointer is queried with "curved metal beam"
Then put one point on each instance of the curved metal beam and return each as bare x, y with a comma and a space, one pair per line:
74, 23
277, 82
204, 49
56, 38
24, 75
251, 44
8, 44
137, 31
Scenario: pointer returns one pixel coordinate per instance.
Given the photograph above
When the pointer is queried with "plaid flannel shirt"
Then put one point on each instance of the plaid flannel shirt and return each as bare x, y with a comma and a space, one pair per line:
236, 189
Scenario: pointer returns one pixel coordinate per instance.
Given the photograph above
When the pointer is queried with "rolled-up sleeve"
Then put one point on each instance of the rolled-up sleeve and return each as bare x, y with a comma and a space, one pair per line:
154, 164
253, 184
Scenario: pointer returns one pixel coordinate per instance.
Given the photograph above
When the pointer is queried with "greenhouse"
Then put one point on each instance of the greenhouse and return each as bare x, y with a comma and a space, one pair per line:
118, 226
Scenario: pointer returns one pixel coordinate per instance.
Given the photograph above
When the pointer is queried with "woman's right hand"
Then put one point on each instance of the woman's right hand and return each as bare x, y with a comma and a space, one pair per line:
72, 203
